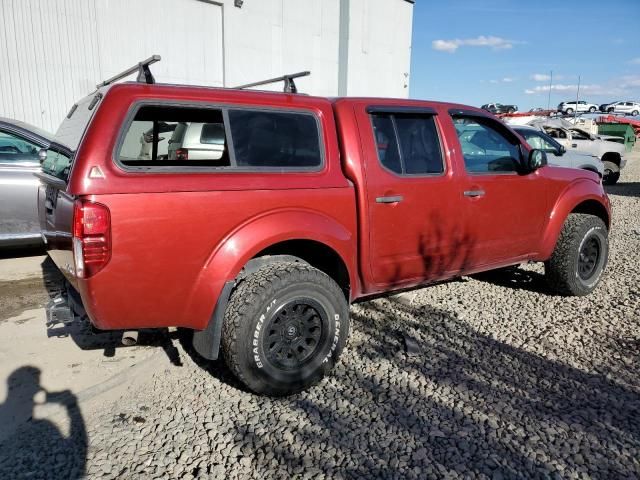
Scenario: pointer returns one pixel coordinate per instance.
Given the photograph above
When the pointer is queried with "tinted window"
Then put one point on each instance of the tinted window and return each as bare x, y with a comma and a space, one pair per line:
172, 136
212, 134
408, 144
17, 149
274, 139
385, 138
485, 148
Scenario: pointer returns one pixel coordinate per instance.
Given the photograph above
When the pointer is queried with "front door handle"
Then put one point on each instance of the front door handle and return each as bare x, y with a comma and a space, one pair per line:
574, 145
390, 199
474, 193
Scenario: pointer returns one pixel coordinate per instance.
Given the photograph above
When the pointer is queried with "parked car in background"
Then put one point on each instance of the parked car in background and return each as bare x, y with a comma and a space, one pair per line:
499, 108
629, 108
582, 106
611, 153
557, 154
603, 107
197, 141
20, 144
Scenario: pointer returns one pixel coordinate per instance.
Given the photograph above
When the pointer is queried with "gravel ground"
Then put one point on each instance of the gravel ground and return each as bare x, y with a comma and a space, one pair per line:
509, 381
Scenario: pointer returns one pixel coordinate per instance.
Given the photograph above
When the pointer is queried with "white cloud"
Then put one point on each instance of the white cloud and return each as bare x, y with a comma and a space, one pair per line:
495, 43
503, 80
559, 87
544, 77
540, 77
634, 61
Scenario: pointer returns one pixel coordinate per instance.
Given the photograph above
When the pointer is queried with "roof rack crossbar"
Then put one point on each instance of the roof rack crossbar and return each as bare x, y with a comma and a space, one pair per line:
144, 74
289, 84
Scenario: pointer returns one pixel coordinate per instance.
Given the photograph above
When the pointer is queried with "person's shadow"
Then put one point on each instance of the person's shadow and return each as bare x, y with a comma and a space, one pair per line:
37, 448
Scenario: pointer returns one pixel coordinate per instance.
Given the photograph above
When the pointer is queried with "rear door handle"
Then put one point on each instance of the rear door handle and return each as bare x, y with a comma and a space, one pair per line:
390, 199
474, 193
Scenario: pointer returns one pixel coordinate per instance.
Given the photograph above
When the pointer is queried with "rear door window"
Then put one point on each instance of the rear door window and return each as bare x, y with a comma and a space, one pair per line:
408, 144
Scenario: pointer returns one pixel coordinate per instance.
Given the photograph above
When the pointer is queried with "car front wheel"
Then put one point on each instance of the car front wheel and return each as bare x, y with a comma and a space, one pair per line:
284, 328
611, 173
635, 113
580, 256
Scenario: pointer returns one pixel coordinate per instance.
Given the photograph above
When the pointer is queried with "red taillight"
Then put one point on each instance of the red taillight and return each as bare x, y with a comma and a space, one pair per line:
91, 237
182, 154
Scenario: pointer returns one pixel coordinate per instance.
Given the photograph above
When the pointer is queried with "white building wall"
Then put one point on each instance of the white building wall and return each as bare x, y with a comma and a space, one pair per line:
53, 52
379, 55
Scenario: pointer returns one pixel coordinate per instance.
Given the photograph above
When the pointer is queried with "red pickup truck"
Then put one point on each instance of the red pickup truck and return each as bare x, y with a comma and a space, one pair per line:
255, 218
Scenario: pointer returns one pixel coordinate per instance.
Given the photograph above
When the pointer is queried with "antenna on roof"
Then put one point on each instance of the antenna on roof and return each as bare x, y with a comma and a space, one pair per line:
289, 84
144, 74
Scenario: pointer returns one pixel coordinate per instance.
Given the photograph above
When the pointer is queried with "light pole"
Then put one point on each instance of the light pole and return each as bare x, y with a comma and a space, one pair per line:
550, 85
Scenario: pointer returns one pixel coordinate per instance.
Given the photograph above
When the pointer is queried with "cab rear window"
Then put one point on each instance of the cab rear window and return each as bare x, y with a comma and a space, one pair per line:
183, 137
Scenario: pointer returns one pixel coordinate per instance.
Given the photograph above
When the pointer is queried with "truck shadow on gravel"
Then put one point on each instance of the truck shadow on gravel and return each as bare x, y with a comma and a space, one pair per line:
517, 278
624, 189
466, 404
88, 338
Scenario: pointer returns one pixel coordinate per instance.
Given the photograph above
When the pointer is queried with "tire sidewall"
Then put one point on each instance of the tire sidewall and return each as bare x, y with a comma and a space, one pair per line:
260, 372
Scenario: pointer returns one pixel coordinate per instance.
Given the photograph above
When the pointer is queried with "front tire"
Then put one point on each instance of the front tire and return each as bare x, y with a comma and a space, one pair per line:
634, 113
580, 257
592, 109
611, 173
284, 328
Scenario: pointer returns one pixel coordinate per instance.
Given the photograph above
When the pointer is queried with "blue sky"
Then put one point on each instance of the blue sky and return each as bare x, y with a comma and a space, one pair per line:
480, 51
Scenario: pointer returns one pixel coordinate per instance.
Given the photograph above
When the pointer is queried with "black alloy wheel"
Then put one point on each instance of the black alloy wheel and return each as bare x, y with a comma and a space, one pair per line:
293, 334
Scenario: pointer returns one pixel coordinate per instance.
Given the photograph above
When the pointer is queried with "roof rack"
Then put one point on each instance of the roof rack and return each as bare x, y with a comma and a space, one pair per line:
289, 84
144, 74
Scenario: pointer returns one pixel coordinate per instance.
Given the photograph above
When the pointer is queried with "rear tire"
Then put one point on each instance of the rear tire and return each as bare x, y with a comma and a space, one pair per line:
611, 173
592, 109
634, 113
569, 111
580, 257
284, 328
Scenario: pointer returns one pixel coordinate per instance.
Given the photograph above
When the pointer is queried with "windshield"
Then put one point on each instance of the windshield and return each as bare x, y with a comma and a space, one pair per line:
69, 135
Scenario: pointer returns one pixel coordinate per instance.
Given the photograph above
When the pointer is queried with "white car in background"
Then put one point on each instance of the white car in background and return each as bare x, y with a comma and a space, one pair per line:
557, 154
581, 106
611, 153
630, 108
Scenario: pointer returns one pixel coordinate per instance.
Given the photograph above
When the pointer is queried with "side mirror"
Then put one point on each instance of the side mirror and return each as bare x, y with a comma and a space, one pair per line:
42, 155
537, 159
562, 150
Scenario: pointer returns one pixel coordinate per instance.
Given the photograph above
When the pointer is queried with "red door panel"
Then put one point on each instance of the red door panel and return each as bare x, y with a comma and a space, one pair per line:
417, 227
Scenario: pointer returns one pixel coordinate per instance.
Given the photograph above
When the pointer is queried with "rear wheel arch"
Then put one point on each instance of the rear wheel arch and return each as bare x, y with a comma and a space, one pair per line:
315, 253
269, 235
